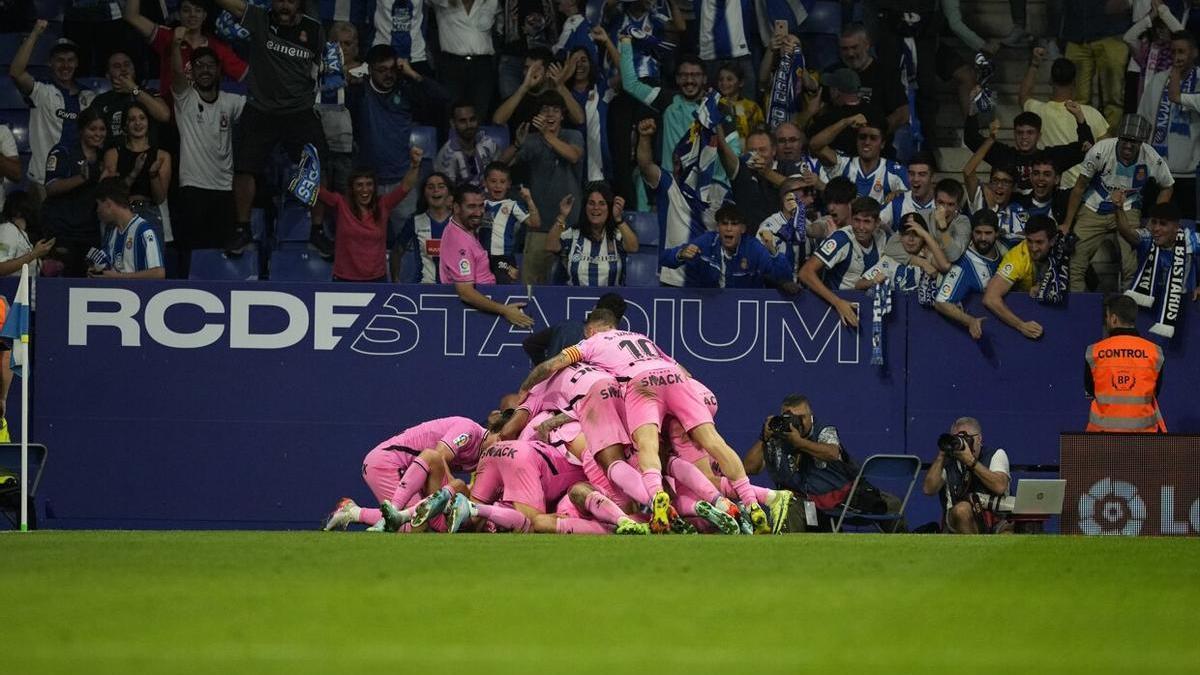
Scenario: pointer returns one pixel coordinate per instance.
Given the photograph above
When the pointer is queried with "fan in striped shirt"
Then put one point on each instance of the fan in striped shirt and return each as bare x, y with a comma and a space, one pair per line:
592, 252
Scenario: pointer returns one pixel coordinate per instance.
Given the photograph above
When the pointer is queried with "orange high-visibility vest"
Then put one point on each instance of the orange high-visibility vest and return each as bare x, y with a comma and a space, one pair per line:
1125, 372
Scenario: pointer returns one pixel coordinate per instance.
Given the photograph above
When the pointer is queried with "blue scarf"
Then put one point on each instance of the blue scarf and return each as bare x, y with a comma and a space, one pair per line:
647, 43
229, 29
1052, 287
696, 154
985, 100
908, 74
882, 307
307, 182
784, 88
1164, 122
333, 76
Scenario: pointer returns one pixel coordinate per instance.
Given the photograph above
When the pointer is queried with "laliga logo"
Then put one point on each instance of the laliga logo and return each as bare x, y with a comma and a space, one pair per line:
1117, 501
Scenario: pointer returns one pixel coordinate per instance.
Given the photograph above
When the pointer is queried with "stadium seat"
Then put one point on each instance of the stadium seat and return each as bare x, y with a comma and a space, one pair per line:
292, 223
18, 121
426, 139
641, 269
499, 134
825, 18
213, 265
10, 500
234, 86
299, 265
645, 226
820, 51
10, 96
258, 224
96, 84
890, 473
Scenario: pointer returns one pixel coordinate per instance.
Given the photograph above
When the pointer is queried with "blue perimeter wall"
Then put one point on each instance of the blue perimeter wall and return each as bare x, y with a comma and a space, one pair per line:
251, 405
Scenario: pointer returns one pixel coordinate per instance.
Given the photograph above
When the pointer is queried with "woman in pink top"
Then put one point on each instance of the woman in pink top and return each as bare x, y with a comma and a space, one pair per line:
360, 247
192, 14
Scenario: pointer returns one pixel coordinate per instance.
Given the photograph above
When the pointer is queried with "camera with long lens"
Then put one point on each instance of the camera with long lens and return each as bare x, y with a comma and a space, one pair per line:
782, 423
950, 444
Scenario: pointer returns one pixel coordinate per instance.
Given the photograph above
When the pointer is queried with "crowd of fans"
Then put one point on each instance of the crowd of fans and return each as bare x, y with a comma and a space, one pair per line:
823, 178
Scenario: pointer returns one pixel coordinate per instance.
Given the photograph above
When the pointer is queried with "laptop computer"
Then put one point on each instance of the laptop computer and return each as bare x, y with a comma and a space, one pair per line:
1039, 497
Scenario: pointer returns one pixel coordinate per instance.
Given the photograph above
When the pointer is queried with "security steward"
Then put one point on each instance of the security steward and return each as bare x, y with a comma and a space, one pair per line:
1123, 374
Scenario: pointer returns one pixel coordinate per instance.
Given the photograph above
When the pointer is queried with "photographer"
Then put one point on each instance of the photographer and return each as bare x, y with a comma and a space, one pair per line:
807, 457
967, 473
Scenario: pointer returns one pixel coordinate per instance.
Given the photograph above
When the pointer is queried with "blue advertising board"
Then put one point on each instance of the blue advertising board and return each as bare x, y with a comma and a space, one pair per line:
244, 404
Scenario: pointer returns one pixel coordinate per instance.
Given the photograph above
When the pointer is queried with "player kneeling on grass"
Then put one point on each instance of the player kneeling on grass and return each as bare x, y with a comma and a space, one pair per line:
518, 480
656, 387
416, 461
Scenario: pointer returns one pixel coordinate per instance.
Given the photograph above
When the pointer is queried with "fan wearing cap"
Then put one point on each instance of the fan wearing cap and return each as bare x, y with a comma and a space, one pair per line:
1126, 163
873, 175
55, 104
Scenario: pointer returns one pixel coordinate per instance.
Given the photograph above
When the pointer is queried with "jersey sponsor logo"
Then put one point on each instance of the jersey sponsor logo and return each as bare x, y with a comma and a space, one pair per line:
290, 50
64, 114
500, 451
610, 392
433, 247
660, 380
461, 440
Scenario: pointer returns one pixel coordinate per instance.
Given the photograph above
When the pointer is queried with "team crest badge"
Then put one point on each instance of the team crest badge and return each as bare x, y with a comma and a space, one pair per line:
745, 265
1140, 174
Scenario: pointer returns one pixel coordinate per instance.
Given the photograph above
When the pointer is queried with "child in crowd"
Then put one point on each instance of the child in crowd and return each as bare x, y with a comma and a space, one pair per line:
747, 114
501, 219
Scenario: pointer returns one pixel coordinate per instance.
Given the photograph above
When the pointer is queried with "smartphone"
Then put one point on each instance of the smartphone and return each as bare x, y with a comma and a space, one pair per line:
781, 27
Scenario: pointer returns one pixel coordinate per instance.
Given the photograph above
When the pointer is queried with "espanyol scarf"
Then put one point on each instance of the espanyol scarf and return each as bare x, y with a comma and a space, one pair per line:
696, 154
307, 182
882, 307
229, 29
1146, 281
1052, 287
1164, 122
784, 89
985, 100
333, 75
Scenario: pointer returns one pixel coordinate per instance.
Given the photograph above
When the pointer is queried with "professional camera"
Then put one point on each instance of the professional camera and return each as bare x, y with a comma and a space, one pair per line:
952, 443
783, 423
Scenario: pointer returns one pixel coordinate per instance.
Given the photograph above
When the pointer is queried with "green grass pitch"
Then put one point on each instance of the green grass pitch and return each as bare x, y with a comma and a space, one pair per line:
334, 603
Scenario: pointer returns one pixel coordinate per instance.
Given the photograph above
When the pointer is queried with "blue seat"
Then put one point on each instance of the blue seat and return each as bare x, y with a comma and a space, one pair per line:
18, 121
96, 84
641, 269
499, 134
820, 51
426, 139
292, 223
645, 226
825, 18
299, 265
213, 265
10, 96
890, 473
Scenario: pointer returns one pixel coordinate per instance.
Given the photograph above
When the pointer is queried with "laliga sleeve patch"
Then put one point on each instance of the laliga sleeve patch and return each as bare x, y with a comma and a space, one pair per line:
829, 247
52, 162
461, 440
464, 266
1007, 271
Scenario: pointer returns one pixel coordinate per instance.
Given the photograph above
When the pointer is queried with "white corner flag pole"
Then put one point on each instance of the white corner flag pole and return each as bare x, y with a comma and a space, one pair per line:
25, 414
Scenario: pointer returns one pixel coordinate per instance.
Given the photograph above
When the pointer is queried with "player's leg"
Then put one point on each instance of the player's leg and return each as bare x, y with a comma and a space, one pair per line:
622, 475
593, 502
705, 435
380, 472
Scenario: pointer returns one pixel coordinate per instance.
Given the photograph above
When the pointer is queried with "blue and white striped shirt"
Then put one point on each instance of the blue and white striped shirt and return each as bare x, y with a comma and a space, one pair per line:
970, 274
588, 262
887, 177
426, 236
722, 29
498, 231
133, 248
846, 260
401, 24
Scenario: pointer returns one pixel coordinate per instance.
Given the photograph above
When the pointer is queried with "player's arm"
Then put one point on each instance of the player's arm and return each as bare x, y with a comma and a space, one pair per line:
753, 461
235, 7
18, 70
512, 428
993, 299
550, 366
546, 427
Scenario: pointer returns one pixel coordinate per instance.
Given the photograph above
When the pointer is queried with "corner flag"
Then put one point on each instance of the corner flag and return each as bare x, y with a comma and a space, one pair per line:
16, 325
